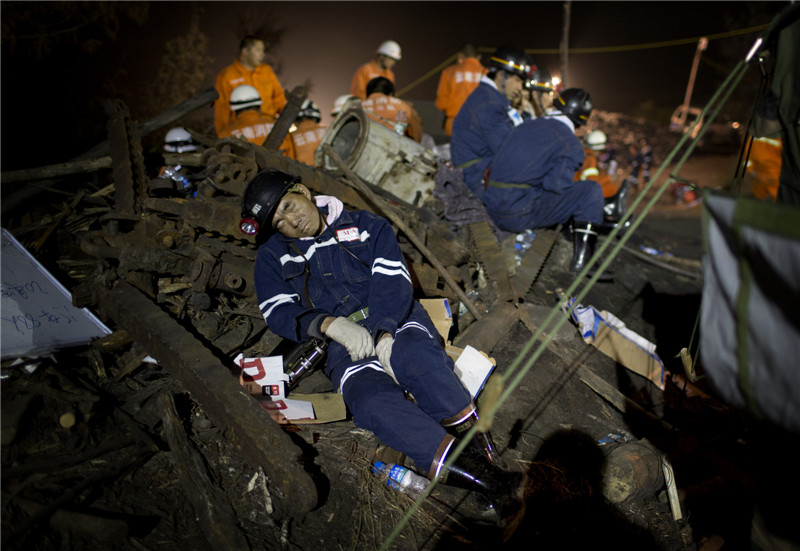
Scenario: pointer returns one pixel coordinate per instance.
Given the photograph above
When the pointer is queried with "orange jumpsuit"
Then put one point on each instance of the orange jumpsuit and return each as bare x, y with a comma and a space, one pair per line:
306, 139
364, 74
262, 78
455, 84
255, 127
591, 171
765, 166
385, 110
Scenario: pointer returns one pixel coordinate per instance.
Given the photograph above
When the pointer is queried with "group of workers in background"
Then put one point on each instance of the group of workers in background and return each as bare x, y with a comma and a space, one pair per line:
512, 132
500, 117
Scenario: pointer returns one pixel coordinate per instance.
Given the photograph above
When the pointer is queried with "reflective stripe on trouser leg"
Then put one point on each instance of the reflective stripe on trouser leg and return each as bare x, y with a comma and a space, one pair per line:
438, 460
425, 370
379, 405
461, 417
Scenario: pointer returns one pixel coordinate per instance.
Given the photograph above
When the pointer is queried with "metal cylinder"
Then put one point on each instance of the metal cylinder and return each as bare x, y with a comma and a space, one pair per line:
379, 155
305, 359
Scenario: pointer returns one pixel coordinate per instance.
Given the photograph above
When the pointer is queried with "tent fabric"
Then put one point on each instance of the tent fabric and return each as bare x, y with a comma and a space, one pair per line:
750, 310
783, 39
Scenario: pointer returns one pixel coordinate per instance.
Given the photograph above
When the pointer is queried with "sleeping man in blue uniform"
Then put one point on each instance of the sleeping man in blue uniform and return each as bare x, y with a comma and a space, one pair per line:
325, 272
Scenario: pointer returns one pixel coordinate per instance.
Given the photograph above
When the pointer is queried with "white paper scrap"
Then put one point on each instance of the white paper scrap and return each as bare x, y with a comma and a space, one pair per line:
265, 372
473, 368
293, 410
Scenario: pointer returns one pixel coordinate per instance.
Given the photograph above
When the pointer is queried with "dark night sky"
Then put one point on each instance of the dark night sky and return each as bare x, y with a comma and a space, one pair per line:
326, 41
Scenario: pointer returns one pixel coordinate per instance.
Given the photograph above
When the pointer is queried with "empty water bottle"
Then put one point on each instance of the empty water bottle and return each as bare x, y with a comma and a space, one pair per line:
401, 123
173, 172
400, 478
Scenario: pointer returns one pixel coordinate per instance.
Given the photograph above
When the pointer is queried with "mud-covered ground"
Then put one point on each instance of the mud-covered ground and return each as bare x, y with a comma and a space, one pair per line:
110, 480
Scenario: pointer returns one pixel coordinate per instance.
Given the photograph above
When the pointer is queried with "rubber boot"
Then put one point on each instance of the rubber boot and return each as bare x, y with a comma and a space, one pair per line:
615, 207
463, 421
584, 235
506, 490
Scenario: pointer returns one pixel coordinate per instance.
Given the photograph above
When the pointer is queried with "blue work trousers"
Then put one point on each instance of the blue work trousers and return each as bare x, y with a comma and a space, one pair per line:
516, 209
378, 403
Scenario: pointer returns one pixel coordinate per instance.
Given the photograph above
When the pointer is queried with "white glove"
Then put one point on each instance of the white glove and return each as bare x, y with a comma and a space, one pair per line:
355, 338
384, 351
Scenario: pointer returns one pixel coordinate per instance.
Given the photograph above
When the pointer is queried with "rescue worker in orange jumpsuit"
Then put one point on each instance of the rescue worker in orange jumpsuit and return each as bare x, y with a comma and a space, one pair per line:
392, 112
250, 69
594, 143
249, 122
386, 56
457, 82
764, 165
308, 132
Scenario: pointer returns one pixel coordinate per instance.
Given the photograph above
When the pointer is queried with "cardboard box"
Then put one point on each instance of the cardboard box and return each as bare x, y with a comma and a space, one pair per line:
609, 335
439, 311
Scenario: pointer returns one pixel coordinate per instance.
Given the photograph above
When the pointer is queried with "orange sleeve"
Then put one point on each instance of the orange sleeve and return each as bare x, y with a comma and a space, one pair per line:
358, 87
443, 92
588, 170
414, 124
273, 97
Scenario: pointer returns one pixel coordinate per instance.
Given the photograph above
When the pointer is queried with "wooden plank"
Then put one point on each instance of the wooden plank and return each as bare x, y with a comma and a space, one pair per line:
261, 441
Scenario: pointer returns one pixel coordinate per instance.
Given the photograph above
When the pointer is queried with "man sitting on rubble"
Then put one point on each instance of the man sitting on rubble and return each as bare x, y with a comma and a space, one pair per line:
537, 96
523, 171
308, 132
596, 168
325, 272
391, 112
248, 68
248, 122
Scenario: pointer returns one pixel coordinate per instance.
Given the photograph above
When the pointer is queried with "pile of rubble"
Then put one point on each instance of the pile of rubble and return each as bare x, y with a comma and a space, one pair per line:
170, 272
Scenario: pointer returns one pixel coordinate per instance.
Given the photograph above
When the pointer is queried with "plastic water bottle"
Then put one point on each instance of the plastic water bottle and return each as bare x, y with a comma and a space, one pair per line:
401, 123
174, 174
401, 478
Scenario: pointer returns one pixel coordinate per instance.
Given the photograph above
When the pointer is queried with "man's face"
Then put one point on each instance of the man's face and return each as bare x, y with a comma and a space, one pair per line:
547, 99
513, 88
386, 62
297, 215
253, 55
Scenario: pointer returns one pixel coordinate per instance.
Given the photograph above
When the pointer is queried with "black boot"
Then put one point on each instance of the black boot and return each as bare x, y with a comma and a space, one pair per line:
615, 207
584, 235
506, 490
482, 442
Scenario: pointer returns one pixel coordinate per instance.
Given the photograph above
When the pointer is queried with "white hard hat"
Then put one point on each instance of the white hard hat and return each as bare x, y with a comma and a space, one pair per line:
338, 105
244, 96
309, 110
390, 48
596, 139
178, 140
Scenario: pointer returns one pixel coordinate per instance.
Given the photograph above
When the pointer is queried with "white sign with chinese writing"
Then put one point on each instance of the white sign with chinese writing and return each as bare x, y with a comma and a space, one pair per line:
37, 312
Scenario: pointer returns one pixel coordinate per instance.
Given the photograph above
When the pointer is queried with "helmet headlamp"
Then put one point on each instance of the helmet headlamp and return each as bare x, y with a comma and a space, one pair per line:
249, 226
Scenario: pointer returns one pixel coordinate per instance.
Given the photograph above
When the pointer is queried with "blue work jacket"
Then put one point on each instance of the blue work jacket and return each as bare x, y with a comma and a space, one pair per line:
355, 263
479, 131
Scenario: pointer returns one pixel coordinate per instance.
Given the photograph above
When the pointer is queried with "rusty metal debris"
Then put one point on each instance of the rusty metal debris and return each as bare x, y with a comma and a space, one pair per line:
173, 273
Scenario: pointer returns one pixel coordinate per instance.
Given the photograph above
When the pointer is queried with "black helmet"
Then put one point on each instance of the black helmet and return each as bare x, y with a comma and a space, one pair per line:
576, 104
540, 80
512, 60
260, 200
